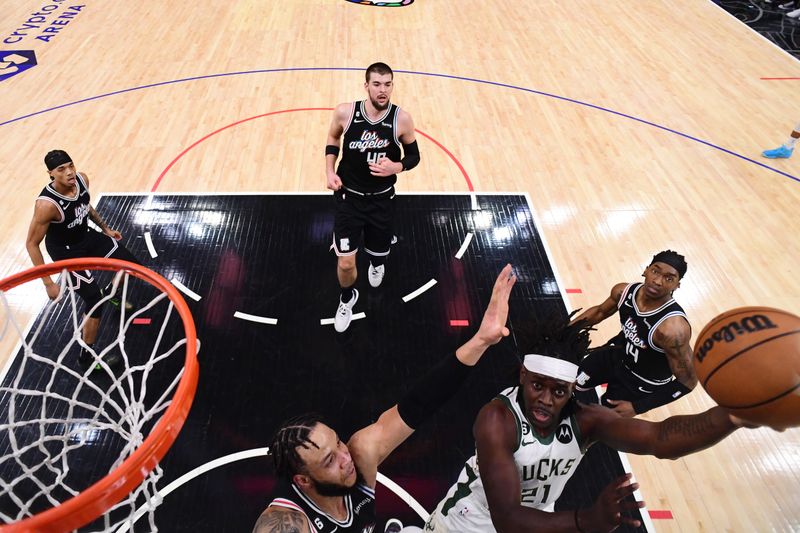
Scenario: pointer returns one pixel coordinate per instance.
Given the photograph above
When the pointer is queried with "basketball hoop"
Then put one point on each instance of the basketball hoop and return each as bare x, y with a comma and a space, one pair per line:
45, 457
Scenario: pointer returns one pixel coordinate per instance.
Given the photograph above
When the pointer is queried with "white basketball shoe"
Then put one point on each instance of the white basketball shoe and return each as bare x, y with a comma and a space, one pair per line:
344, 313
375, 274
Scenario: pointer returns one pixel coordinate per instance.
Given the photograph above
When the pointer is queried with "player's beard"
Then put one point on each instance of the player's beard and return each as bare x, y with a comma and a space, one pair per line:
331, 489
377, 105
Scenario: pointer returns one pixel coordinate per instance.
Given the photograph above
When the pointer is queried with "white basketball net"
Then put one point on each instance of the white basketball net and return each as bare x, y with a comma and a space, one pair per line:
64, 425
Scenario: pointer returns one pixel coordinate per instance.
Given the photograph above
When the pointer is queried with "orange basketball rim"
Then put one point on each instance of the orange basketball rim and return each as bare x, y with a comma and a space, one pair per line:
102, 495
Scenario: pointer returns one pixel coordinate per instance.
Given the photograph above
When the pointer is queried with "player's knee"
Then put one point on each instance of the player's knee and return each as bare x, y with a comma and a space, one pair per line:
347, 263
92, 308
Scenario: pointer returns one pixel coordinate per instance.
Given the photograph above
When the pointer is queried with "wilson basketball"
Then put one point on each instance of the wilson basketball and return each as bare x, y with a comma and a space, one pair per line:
748, 360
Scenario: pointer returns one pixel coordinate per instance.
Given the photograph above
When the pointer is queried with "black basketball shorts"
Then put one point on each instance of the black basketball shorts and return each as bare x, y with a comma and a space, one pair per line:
94, 244
366, 221
606, 364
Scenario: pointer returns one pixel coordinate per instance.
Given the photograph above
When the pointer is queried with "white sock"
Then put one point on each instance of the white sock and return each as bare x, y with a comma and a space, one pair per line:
790, 143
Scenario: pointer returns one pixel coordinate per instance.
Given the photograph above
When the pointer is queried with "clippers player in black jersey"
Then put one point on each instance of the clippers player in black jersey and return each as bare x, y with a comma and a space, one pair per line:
60, 218
328, 486
649, 363
378, 144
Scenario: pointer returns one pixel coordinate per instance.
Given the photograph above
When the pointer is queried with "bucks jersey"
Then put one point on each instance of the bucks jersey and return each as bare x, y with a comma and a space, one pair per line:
359, 501
544, 465
642, 357
73, 223
365, 141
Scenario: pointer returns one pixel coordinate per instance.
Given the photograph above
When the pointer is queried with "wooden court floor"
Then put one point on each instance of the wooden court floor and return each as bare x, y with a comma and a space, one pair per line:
633, 127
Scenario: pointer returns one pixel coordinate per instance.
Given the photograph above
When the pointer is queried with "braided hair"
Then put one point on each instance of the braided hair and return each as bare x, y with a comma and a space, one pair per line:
291, 435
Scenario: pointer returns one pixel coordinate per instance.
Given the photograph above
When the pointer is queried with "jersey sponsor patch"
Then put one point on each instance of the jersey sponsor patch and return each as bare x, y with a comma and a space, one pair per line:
564, 434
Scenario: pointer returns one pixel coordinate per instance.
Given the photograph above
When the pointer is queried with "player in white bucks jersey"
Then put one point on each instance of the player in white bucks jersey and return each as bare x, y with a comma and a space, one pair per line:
377, 143
328, 485
530, 439
649, 363
543, 464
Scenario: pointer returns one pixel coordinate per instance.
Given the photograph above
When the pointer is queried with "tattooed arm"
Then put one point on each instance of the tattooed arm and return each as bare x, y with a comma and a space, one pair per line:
673, 337
669, 439
281, 520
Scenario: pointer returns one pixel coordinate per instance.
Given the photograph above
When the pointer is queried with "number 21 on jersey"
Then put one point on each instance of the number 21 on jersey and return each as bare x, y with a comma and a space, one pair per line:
529, 495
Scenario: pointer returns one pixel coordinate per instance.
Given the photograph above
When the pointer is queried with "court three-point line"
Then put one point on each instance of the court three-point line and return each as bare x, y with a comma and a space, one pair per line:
467, 240
412, 295
329, 321
256, 318
185, 290
148, 240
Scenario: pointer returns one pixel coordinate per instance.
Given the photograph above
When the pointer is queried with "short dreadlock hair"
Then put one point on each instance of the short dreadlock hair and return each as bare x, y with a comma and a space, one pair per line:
291, 435
555, 337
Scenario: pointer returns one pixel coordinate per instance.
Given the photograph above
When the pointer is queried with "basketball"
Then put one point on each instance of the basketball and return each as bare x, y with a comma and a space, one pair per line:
748, 361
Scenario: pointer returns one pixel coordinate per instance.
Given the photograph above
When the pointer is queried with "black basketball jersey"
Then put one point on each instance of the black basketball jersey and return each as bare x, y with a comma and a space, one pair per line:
360, 503
367, 141
642, 357
74, 211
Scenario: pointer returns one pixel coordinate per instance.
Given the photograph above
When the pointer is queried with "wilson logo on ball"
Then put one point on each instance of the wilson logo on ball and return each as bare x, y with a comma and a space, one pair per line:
749, 324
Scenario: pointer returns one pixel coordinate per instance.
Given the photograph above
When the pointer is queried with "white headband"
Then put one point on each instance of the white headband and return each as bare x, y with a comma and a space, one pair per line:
552, 367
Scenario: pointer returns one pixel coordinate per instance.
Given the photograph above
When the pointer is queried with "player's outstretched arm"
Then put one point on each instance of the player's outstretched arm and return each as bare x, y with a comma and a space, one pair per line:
598, 313
671, 438
493, 324
371, 445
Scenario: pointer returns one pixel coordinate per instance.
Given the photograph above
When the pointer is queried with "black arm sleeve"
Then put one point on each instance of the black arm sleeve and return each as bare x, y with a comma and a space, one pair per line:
662, 396
432, 390
410, 155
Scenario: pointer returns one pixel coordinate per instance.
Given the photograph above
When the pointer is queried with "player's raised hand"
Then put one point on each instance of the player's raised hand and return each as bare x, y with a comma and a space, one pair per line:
493, 326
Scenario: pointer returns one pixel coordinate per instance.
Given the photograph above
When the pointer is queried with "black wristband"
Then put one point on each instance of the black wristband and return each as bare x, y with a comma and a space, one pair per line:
432, 390
410, 156
577, 525
331, 149
662, 396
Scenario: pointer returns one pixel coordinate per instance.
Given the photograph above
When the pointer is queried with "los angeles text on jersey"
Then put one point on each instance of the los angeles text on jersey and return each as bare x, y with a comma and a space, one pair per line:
370, 140
631, 333
81, 212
